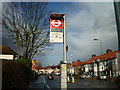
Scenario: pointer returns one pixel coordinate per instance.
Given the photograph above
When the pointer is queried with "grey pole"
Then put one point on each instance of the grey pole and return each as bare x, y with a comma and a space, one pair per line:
64, 62
71, 65
101, 45
64, 37
101, 54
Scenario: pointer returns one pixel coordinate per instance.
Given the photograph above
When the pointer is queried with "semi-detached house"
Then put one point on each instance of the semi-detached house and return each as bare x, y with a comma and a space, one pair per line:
98, 66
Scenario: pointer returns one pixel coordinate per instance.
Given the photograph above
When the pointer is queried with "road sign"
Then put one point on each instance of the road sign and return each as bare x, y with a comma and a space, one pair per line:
34, 64
56, 24
56, 31
56, 37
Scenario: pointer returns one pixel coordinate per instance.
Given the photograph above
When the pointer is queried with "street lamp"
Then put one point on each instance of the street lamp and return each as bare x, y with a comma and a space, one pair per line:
101, 53
71, 66
100, 44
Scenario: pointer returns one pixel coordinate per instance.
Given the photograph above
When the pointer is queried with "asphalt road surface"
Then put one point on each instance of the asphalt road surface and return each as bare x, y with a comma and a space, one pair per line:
44, 83
80, 83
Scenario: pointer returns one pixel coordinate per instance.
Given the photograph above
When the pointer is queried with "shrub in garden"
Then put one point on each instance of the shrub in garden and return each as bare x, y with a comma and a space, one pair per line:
14, 74
28, 64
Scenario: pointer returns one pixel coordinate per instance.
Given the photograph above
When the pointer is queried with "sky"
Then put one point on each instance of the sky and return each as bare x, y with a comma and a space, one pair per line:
85, 22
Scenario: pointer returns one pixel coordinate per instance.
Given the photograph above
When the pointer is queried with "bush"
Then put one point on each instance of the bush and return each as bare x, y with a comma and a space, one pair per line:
15, 74
28, 64
25, 62
76, 76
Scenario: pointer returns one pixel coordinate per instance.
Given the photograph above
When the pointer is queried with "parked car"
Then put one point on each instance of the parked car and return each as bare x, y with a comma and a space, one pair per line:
57, 74
50, 76
103, 75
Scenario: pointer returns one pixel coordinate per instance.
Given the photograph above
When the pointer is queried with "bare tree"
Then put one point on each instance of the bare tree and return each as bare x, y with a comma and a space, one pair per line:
27, 24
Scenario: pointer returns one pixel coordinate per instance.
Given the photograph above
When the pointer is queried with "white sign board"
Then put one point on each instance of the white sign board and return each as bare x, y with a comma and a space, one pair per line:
56, 37
56, 31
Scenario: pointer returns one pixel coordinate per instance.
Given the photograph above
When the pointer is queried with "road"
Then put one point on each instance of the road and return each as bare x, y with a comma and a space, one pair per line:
53, 83
43, 83
80, 83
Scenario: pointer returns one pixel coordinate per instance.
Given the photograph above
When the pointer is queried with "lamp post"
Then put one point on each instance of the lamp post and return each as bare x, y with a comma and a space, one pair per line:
100, 53
71, 66
100, 45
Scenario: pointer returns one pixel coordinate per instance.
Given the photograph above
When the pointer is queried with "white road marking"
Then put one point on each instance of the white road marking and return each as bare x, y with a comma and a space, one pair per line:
45, 82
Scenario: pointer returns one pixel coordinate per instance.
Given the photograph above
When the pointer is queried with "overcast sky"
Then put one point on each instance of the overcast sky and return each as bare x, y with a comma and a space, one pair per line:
85, 21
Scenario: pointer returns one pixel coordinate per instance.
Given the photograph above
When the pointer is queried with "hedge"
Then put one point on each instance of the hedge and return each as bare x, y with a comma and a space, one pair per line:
16, 74
25, 62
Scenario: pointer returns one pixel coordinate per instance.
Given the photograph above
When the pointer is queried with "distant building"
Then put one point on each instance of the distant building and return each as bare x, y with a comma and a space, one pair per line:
97, 66
7, 53
102, 66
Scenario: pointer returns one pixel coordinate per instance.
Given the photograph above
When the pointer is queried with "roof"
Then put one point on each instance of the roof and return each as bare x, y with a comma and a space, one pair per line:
103, 57
40, 68
48, 67
6, 50
76, 63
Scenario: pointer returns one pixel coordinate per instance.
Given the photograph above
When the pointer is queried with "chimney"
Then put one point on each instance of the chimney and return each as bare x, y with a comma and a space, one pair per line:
73, 62
93, 55
78, 60
108, 51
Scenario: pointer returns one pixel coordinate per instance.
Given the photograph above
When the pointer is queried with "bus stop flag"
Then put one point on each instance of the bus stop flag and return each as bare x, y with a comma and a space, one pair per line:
56, 29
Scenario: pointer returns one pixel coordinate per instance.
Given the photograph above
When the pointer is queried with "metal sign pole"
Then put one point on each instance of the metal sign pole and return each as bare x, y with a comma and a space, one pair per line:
64, 62
64, 37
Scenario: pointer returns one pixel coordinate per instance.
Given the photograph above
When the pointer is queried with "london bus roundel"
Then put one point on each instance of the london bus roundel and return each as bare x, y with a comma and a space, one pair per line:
56, 23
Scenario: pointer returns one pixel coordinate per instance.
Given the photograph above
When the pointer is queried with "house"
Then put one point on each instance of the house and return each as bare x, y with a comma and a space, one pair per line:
7, 53
102, 66
51, 69
48, 69
74, 67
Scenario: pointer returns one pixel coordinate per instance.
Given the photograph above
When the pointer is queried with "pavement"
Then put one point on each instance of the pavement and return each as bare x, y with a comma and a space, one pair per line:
40, 84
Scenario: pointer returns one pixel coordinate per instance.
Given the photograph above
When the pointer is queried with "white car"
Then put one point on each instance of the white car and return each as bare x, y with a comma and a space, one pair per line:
57, 74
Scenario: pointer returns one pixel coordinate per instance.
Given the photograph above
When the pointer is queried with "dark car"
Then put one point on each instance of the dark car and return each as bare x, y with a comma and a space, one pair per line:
50, 76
